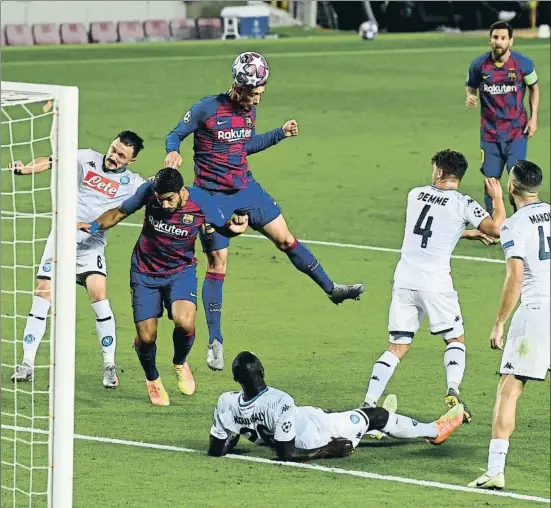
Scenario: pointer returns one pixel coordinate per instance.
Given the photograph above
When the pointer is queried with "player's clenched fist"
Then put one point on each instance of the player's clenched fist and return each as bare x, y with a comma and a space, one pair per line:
173, 160
290, 128
471, 101
239, 220
493, 188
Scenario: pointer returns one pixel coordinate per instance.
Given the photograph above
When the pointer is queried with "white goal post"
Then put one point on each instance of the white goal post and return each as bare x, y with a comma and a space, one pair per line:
22, 107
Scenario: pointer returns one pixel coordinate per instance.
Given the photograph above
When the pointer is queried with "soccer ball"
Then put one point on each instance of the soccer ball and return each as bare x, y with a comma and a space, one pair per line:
250, 69
369, 30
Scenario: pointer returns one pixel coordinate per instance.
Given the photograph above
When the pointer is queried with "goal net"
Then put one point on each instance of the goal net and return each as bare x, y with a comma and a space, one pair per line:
37, 417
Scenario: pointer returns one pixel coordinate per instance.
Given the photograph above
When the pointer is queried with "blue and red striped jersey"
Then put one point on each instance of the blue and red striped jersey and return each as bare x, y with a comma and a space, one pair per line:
167, 242
222, 139
502, 88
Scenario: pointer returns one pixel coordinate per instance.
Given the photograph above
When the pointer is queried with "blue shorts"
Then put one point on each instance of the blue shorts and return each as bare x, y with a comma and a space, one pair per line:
496, 156
252, 201
150, 293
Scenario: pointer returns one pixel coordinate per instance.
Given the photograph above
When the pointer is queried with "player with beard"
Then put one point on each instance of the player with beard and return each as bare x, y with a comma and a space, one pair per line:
224, 135
501, 77
104, 181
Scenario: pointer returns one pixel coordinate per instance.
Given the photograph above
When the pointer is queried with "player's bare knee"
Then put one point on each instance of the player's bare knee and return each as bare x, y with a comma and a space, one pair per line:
44, 289
399, 350
185, 322
217, 261
510, 386
285, 242
458, 339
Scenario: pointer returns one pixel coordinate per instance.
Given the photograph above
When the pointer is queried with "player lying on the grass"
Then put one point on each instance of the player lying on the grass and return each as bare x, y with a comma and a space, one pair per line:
269, 416
163, 268
501, 77
224, 135
436, 217
526, 240
104, 181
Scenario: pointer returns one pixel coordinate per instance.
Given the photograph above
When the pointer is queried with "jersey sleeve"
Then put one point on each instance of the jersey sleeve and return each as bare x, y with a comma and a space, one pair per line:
218, 430
473, 76
529, 71
472, 212
285, 428
138, 200
138, 181
512, 242
83, 155
188, 124
260, 142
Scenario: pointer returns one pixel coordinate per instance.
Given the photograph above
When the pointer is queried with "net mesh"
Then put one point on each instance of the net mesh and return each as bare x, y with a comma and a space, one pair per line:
28, 131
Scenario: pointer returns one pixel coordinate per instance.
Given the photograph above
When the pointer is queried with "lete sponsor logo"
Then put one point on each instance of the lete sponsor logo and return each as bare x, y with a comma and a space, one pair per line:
101, 184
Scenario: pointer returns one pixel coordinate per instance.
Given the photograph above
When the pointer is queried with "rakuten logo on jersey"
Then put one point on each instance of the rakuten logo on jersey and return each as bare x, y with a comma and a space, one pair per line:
163, 227
101, 184
499, 89
233, 135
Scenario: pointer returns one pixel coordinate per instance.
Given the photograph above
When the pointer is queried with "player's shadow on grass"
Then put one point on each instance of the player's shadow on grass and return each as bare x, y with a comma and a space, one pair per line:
383, 444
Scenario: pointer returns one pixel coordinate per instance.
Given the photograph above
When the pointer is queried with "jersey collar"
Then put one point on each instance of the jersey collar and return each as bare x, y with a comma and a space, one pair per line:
249, 402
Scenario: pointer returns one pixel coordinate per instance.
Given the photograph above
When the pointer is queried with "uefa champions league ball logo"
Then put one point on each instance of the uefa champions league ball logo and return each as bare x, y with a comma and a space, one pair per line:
250, 69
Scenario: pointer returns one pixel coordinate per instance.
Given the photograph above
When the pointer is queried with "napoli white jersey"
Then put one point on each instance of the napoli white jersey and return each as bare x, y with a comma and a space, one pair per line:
271, 415
99, 190
435, 221
526, 235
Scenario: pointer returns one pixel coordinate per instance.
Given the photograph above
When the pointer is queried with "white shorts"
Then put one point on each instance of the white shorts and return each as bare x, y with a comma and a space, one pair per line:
409, 307
316, 428
90, 258
527, 350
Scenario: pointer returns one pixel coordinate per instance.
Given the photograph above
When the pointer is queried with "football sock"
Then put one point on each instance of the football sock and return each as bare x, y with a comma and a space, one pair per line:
35, 329
183, 342
212, 303
105, 329
454, 363
403, 427
304, 261
497, 455
380, 376
146, 354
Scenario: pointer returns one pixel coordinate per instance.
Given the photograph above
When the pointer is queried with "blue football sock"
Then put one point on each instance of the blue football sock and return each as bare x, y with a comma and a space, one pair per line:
147, 354
304, 261
212, 303
183, 342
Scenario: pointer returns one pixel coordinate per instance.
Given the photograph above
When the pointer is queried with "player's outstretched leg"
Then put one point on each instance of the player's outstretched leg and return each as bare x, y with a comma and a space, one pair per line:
183, 336
382, 371
35, 329
454, 363
304, 261
509, 391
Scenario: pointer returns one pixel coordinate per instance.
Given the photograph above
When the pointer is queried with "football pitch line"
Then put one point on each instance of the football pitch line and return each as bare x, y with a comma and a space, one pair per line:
351, 246
287, 54
299, 465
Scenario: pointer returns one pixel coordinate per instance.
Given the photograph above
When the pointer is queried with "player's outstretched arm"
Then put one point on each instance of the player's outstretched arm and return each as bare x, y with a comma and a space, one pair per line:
492, 225
260, 142
475, 234
107, 220
37, 165
509, 299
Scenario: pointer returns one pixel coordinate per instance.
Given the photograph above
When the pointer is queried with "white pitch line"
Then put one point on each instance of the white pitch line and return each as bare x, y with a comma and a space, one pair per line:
351, 246
299, 465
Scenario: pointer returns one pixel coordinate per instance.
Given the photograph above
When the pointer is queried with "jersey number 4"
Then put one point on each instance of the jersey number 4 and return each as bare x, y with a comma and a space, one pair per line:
544, 253
424, 231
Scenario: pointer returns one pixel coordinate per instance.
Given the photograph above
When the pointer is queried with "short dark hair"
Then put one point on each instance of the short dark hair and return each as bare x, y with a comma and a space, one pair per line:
168, 180
247, 369
527, 176
501, 25
451, 163
129, 138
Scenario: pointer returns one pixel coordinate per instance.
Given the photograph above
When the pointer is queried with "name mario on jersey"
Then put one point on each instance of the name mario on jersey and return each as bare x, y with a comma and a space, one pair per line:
170, 229
101, 184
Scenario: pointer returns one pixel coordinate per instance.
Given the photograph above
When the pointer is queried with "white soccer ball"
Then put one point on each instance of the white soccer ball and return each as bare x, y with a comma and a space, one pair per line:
369, 30
250, 69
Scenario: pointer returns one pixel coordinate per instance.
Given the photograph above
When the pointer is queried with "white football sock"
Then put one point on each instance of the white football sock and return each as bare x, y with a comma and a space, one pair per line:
403, 427
35, 329
497, 455
105, 329
380, 376
454, 363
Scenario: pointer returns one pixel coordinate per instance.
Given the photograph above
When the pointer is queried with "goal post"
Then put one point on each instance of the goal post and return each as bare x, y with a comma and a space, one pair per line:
24, 107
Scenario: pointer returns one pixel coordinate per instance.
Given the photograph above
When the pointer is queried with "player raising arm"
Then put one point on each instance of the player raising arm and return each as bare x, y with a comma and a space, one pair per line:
163, 268
269, 416
223, 128
501, 78
526, 241
436, 217
104, 181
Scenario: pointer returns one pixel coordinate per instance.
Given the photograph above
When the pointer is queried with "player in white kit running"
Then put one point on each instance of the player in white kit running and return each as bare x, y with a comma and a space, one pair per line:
436, 218
104, 182
526, 241
269, 416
